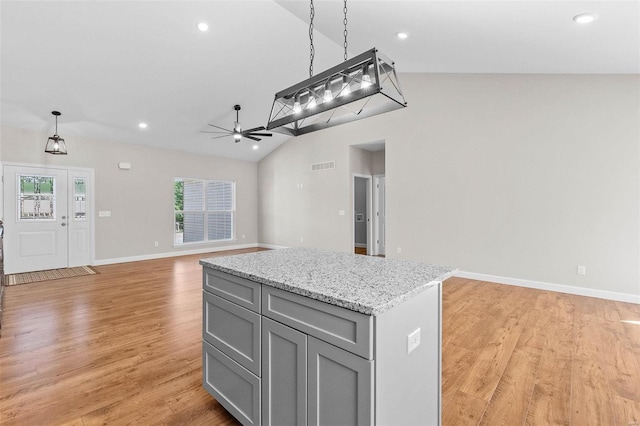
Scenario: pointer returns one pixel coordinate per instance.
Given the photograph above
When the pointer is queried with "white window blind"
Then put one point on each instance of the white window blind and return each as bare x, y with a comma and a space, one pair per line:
204, 210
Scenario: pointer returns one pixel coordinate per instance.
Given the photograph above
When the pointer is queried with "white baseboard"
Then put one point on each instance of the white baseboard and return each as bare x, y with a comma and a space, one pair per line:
560, 288
270, 246
172, 254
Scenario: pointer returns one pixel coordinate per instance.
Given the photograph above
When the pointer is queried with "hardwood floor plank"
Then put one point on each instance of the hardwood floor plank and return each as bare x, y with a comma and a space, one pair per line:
551, 396
510, 402
626, 412
461, 409
493, 356
591, 399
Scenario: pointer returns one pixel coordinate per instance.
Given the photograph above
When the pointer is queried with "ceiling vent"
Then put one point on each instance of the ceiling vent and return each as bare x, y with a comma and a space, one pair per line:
323, 166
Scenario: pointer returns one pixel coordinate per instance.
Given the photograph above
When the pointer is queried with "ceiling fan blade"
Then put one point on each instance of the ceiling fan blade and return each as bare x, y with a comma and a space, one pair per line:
221, 128
218, 137
252, 138
260, 134
204, 131
255, 129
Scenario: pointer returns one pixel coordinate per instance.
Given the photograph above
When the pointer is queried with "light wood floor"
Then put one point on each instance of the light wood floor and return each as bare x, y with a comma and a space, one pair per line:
123, 347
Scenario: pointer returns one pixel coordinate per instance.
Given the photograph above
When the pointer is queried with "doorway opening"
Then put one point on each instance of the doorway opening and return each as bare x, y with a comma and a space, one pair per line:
362, 214
367, 167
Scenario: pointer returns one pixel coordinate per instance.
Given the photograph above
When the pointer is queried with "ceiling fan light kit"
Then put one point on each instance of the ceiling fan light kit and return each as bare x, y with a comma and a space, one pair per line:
360, 87
237, 131
55, 144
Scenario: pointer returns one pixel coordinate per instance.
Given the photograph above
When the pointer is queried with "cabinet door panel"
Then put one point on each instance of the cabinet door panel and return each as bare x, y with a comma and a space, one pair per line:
232, 329
233, 386
284, 375
340, 386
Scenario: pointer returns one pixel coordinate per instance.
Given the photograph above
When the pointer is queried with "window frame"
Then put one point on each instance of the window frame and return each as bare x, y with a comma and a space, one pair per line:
204, 211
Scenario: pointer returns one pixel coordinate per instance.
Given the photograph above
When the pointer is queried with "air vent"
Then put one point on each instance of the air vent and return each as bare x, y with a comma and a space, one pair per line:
323, 166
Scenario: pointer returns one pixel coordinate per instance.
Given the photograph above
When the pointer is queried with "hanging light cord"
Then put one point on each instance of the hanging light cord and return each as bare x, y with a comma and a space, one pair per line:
345, 30
312, 52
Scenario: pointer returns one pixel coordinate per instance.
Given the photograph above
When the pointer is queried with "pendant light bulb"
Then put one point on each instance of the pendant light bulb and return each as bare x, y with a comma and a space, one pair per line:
297, 109
366, 78
346, 89
328, 95
312, 102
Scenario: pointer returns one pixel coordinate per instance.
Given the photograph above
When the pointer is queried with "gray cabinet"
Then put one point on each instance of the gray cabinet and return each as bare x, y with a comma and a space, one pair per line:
284, 379
340, 386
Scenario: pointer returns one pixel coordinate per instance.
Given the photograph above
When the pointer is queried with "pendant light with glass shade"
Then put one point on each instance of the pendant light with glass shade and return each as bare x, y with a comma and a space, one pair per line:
55, 144
360, 87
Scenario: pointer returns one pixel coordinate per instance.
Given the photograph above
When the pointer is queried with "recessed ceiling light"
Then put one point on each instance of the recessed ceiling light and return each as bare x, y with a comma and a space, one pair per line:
402, 36
142, 125
203, 26
255, 146
585, 18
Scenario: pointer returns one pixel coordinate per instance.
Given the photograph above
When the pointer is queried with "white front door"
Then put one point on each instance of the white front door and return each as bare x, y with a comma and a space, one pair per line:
47, 218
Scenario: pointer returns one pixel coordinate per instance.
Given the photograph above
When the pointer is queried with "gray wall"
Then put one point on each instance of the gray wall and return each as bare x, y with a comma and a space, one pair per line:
140, 199
377, 162
521, 176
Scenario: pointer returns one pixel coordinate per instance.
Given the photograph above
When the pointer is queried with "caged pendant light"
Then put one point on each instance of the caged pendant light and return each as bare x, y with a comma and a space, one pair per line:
360, 87
55, 144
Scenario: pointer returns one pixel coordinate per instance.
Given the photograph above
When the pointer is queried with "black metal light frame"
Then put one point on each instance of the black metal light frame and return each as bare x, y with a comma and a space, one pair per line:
353, 84
55, 144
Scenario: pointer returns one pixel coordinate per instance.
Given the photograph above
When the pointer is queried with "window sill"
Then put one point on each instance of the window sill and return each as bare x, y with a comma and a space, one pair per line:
204, 243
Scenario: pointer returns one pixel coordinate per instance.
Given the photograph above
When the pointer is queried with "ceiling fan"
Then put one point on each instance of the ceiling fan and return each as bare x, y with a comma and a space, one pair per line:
237, 131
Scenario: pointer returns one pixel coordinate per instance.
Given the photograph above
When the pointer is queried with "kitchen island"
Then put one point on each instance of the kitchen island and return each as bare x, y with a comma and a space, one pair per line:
306, 336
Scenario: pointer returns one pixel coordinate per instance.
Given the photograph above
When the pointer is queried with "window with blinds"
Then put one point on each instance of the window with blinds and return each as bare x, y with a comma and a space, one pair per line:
204, 210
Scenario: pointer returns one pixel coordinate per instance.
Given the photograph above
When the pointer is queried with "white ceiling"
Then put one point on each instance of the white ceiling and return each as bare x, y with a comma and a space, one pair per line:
107, 65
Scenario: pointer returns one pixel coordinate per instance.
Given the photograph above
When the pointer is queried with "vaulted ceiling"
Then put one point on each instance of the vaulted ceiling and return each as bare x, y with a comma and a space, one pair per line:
108, 65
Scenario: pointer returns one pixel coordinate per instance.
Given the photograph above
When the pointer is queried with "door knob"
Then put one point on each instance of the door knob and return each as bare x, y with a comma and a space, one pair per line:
64, 217
63, 224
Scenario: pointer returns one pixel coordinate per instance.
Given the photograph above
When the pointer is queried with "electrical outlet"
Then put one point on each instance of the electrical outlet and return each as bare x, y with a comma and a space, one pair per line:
413, 340
243, 236
155, 243
582, 270
399, 250
302, 239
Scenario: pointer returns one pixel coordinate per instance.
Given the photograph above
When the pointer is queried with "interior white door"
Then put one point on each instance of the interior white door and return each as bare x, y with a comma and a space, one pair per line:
380, 214
36, 219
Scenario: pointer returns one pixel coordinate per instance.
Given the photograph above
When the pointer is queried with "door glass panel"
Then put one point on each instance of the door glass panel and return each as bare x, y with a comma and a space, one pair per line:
79, 199
36, 197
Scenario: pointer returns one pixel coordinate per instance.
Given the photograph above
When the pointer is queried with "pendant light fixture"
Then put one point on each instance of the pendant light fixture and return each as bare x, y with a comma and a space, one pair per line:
360, 87
55, 144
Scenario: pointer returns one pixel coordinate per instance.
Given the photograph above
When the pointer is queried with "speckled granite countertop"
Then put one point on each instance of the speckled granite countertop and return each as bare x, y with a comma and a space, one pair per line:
370, 285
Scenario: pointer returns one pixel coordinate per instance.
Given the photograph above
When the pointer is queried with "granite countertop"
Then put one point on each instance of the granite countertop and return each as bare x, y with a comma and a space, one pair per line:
366, 284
